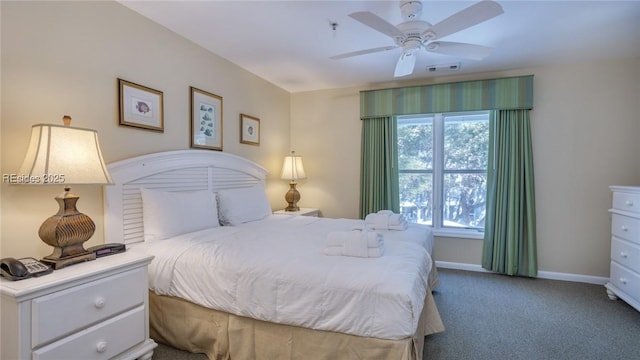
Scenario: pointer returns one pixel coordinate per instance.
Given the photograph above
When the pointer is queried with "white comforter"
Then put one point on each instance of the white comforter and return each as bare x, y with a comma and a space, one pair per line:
275, 270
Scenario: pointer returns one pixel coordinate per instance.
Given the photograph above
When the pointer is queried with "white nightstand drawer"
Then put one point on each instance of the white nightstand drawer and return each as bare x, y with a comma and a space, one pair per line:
625, 280
626, 227
626, 254
626, 202
102, 341
64, 312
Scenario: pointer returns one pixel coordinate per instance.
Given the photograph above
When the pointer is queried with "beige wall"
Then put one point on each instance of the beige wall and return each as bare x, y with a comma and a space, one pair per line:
585, 129
65, 57
325, 130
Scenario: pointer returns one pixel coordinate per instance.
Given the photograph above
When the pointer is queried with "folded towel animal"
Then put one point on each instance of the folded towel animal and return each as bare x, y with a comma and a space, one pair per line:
354, 243
339, 238
386, 220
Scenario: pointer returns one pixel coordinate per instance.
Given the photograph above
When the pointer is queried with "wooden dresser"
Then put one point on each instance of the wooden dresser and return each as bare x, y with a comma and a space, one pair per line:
624, 281
92, 310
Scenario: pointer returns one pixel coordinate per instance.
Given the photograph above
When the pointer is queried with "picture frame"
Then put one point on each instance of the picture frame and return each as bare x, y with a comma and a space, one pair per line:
140, 106
249, 130
206, 120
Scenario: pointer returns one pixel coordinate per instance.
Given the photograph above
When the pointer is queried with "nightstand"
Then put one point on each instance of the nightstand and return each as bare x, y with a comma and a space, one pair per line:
301, 212
93, 310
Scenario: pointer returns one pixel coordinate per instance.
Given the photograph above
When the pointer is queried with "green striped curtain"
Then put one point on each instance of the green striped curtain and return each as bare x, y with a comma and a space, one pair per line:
510, 226
491, 94
510, 241
379, 173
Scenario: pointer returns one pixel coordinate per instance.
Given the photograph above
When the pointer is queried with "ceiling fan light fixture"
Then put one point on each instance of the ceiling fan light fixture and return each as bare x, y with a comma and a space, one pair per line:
413, 34
412, 45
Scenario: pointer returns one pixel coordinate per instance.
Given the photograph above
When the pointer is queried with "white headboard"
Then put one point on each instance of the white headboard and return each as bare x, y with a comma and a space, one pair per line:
181, 170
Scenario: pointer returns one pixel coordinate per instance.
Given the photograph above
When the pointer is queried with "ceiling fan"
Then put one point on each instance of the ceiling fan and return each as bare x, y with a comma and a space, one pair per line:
413, 34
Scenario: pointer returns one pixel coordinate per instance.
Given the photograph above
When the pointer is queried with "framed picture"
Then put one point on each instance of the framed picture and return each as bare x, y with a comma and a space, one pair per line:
206, 120
249, 130
140, 106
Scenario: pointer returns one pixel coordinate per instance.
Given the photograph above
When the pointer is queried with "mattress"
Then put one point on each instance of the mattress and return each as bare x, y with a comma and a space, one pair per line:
275, 270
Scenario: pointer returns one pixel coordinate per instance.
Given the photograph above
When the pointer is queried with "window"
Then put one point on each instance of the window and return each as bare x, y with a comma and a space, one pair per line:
442, 165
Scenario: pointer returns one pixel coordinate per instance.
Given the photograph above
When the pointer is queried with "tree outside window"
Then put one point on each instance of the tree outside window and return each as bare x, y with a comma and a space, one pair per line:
442, 162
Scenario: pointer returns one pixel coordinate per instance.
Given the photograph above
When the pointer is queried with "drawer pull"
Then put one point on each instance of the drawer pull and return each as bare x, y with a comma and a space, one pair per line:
624, 255
101, 346
99, 303
623, 281
628, 203
624, 228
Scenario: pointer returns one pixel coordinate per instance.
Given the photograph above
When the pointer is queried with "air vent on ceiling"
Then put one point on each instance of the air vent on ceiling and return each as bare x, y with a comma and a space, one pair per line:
441, 67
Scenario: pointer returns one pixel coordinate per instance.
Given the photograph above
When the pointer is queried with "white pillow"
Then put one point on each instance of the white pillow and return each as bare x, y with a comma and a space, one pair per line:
237, 206
167, 214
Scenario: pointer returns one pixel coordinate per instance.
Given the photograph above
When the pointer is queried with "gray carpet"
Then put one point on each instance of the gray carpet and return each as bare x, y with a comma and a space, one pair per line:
498, 317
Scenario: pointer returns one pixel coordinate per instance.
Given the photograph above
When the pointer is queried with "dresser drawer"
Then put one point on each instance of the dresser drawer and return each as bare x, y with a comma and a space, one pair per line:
625, 227
626, 202
102, 341
625, 280
64, 312
626, 254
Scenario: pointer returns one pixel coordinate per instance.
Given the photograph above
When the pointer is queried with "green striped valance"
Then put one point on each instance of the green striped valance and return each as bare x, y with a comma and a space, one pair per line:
503, 93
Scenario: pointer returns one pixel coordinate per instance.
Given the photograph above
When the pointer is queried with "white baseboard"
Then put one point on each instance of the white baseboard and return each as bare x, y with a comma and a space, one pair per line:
598, 280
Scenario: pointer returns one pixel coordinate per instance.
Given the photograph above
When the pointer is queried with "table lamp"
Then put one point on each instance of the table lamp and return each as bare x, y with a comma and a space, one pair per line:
65, 155
292, 170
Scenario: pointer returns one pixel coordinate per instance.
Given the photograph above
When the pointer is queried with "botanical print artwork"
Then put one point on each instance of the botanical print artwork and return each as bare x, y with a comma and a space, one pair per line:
207, 120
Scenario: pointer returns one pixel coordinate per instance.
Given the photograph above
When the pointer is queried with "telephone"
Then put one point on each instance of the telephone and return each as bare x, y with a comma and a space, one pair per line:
18, 269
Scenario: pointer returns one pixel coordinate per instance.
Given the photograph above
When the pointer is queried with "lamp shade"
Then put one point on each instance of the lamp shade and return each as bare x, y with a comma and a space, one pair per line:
292, 168
64, 155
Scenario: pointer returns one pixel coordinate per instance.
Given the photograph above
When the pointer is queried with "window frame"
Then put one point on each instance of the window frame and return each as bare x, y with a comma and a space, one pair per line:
437, 173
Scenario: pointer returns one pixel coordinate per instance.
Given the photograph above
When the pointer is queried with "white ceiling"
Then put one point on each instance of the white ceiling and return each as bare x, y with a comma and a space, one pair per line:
289, 42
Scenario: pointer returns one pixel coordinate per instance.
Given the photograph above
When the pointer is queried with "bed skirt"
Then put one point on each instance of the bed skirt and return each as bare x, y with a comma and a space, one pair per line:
221, 336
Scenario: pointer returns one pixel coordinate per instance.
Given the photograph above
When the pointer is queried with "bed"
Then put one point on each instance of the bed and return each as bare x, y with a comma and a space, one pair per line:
260, 287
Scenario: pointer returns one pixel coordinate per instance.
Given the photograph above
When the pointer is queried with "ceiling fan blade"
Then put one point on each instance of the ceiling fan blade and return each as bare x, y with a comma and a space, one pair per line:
405, 64
474, 14
362, 52
377, 23
467, 51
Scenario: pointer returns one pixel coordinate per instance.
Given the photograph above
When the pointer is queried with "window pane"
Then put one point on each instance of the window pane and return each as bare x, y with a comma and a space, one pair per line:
466, 141
415, 143
442, 164
416, 197
464, 200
